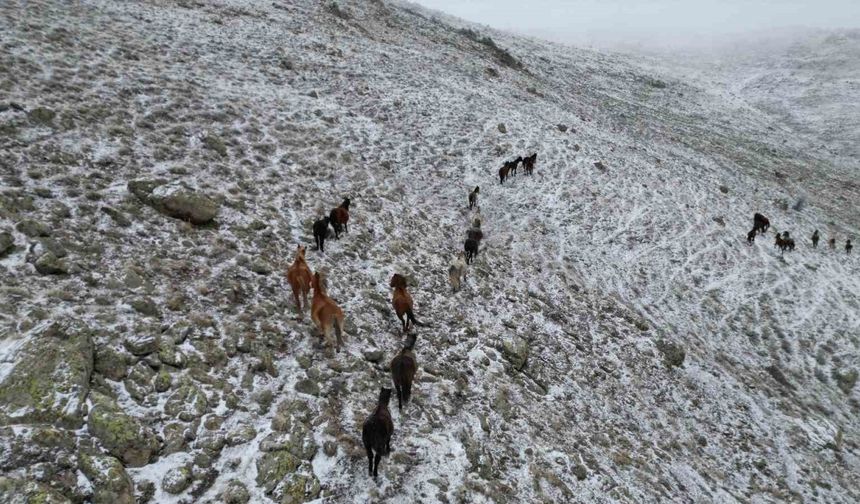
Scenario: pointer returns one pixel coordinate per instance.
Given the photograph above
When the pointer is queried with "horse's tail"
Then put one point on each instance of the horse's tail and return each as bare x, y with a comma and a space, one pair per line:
338, 328
411, 316
407, 390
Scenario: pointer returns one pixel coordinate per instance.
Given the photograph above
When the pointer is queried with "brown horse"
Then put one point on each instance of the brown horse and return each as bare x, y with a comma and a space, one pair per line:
529, 163
376, 432
300, 278
832, 243
403, 368
339, 218
503, 172
473, 197
325, 313
760, 223
402, 302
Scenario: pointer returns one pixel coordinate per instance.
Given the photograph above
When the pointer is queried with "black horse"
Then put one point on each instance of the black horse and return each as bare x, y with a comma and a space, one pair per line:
471, 248
376, 432
321, 233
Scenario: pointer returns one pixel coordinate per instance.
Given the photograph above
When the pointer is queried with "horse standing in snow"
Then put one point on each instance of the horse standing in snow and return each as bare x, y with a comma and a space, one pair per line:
471, 249
321, 233
339, 218
475, 233
848, 246
760, 223
832, 243
473, 197
514, 164
402, 302
503, 172
457, 271
815, 238
325, 313
299, 278
751, 237
376, 432
403, 368
529, 163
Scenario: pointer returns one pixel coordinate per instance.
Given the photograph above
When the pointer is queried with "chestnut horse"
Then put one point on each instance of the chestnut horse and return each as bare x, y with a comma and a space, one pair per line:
299, 276
325, 313
402, 302
339, 218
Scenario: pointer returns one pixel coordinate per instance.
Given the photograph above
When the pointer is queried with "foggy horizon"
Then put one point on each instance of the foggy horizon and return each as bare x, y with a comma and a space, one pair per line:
656, 24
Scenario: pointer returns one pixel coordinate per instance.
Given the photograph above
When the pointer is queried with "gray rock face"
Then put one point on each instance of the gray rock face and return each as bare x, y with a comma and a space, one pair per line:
111, 484
50, 381
50, 264
124, 436
175, 200
516, 350
20, 491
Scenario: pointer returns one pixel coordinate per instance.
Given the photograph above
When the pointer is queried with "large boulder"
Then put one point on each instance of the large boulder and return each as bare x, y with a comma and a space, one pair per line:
49, 264
273, 467
176, 480
7, 242
175, 200
111, 484
20, 491
50, 380
516, 350
123, 435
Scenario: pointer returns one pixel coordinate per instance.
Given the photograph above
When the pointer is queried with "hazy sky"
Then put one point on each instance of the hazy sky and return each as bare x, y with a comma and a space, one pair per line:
650, 21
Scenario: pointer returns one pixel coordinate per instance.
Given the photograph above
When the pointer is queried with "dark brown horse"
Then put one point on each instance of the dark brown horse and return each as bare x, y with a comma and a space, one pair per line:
339, 218
760, 223
403, 368
473, 197
815, 238
376, 432
529, 163
751, 237
848, 246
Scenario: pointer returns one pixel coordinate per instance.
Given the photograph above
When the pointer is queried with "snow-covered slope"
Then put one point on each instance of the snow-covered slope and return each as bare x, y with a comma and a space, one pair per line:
552, 377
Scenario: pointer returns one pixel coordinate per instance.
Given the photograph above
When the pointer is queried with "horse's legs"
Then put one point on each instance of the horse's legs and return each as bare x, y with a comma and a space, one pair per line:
369, 460
376, 460
399, 396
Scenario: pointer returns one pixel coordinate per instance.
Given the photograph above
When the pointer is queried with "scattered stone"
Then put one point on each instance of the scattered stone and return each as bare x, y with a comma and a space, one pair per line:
273, 467
111, 363
260, 267
307, 386
373, 355
177, 480
516, 350
502, 128
117, 216
50, 264
122, 435
724, 189
42, 116
142, 344
111, 484
562, 128
214, 143
7, 243
145, 306
33, 228
235, 493
600, 166
673, 354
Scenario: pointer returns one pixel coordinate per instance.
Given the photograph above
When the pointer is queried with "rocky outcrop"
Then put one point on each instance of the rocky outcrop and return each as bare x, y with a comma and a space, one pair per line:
50, 382
175, 200
111, 484
20, 491
124, 436
49, 264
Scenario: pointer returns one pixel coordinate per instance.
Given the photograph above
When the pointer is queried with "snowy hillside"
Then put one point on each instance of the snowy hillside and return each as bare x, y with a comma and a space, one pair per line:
617, 340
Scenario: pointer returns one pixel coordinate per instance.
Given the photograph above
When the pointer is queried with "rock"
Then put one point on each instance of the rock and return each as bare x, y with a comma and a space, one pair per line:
724, 189
20, 491
177, 480
273, 467
50, 381
299, 488
330, 448
7, 243
235, 493
50, 264
600, 166
214, 143
42, 116
111, 363
673, 354
117, 216
33, 228
111, 484
187, 403
845, 379
175, 200
176, 436
172, 356
124, 436
53, 246
373, 355
162, 381
307, 386
516, 350
145, 306
562, 128
243, 434
580, 472
145, 491
260, 267
502, 128
142, 344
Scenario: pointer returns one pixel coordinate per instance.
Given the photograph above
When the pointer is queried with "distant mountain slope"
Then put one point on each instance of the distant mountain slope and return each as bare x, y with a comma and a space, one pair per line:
617, 339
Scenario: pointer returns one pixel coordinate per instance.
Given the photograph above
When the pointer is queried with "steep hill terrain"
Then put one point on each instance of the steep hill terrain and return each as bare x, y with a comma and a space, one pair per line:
617, 340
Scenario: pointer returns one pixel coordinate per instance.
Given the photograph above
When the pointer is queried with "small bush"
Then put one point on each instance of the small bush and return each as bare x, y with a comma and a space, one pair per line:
335, 9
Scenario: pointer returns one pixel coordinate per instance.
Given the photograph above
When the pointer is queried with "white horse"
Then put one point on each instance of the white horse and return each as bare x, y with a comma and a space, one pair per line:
457, 271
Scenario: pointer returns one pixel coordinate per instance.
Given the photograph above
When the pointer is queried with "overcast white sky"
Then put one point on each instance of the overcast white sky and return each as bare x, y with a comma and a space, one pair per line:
658, 22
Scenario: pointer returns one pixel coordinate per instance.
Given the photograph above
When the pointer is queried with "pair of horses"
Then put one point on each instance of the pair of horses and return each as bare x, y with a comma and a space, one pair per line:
509, 168
339, 220
784, 242
474, 235
760, 225
325, 313
378, 428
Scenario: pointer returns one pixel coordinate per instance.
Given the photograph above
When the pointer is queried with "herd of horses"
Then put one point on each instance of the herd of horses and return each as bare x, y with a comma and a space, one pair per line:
784, 241
328, 317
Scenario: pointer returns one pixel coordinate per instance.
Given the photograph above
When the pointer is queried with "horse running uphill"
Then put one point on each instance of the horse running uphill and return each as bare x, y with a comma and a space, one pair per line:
471, 249
457, 271
473, 197
325, 313
321, 233
402, 302
403, 368
339, 218
300, 278
376, 432
760, 223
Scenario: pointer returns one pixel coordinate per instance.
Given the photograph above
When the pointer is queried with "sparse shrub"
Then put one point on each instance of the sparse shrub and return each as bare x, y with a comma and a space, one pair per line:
335, 9
505, 57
